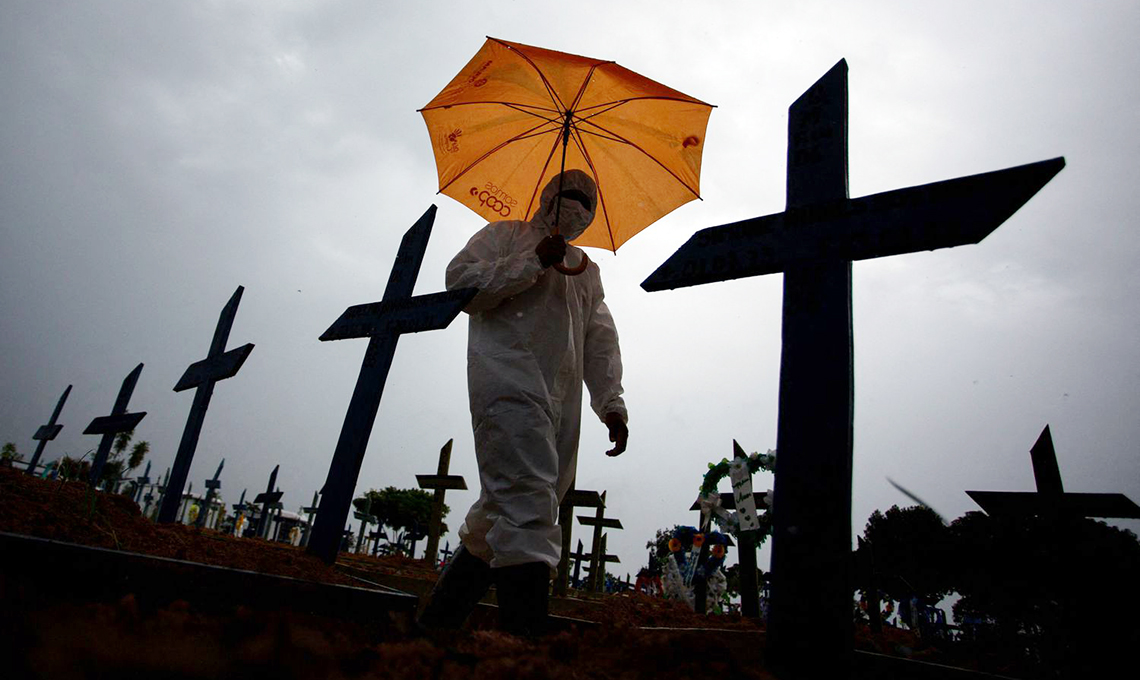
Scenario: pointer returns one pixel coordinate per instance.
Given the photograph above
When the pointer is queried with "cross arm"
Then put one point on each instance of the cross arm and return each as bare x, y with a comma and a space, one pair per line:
928, 217
441, 482
604, 522
115, 424
47, 432
269, 497
401, 315
214, 368
576, 498
1114, 505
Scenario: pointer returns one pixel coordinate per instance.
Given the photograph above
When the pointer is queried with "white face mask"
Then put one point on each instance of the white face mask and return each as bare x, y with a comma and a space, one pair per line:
573, 217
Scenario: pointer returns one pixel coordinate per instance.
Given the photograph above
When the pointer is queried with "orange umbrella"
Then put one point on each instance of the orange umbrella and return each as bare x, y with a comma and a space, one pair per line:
516, 116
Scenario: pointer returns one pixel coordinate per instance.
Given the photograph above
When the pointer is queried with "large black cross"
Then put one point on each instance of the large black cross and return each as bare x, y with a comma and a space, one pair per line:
382, 323
813, 242
48, 432
440, 482
111, 425
218, 365
1050, 498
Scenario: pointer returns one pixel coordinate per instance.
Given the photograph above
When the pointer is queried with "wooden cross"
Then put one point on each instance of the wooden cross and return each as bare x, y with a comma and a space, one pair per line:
366, 517
182, 504
218, 365
578, 556
440, 482
309, 512
382, 323
1050, 498
597, 567
574, 498
48, 432
813, 242
269, 500
597, 547
447, 552
140, 484
212, 486
111, 425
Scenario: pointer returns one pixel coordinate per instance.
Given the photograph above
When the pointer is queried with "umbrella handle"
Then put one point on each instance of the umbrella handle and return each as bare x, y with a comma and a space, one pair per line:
574, 271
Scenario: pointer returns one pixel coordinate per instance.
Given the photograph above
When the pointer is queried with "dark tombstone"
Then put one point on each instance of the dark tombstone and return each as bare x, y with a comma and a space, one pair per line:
366, 517
212, 486
1050, 499
574, 498
218, 365
382, 323
111, 425
440, 482
48, 432
813, 243
598, 521
269, 500
309, 512
141, 483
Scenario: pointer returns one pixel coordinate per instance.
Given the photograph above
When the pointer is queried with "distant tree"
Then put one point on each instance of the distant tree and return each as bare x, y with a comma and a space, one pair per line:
401, 509
912, 550
9, 454
1065, 590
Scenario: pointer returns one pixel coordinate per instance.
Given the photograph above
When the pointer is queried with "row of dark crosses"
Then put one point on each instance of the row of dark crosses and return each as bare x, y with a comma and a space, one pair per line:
813, 242
598, 555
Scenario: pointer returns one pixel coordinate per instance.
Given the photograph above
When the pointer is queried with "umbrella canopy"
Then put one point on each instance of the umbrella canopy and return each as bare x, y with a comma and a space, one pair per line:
516, 116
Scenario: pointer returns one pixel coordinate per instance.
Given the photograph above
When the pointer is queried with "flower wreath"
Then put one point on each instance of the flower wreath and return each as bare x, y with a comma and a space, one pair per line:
710, 498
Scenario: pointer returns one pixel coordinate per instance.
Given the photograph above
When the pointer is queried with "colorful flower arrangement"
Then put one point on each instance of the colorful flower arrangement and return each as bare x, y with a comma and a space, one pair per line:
682, 566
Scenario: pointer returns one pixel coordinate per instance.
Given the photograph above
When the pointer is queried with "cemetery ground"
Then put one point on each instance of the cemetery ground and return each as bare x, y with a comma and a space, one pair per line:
86, 602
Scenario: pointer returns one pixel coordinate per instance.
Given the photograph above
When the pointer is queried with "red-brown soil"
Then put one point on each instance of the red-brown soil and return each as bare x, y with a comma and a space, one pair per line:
77, 639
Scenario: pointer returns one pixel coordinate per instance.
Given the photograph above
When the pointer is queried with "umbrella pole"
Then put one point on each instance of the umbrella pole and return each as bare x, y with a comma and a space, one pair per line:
568, 271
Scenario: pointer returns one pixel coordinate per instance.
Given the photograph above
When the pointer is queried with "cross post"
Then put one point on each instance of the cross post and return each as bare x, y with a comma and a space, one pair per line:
309, 512
111, 425
382, 323
813, 242
218, 365
269, 500
48, 432
574, 498
440, 482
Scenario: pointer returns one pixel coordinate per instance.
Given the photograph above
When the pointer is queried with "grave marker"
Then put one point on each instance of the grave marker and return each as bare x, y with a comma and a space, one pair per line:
599, 558
574, 498
218, 365
141, 483
111, 425
440, 482
268, 500
597, 549
309, 512
1050, 499
813, 243
578, 556
48, 432
366, 517
382, 323
212, 485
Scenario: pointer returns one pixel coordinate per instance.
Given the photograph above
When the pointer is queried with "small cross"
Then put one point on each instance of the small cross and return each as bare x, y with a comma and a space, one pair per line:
598, 559
599, 521
574, 498
118, 421
366, 517
218, 365
48, 432
268, 500
141, 483
440, 482
212, 485
309, 512
1050, 498
382, 323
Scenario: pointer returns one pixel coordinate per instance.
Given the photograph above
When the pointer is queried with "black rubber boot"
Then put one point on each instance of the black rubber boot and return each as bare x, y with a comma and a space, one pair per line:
523, 592
462, 584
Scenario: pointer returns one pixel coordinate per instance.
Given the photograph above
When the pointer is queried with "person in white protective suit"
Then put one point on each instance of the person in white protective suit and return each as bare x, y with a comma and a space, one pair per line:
535, 336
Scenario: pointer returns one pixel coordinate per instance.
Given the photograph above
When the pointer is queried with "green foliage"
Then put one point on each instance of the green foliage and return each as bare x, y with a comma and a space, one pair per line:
401, 509
138, 453
10, 454
911, 548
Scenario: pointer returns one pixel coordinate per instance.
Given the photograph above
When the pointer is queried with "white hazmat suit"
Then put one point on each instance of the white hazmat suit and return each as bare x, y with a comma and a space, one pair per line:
535, 335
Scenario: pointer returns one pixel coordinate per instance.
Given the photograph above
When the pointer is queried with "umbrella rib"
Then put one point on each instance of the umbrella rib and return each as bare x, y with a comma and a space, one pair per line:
521, 136
514, 105
554, 98
545, 166
616, 137
578, 142
619, 102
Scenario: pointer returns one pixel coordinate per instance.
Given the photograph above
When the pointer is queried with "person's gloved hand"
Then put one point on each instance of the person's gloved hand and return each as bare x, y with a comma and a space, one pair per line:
619, 433
551, 250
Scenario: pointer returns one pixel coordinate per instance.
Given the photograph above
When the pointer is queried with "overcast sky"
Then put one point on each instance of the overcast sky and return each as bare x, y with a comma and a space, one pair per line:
156, 155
